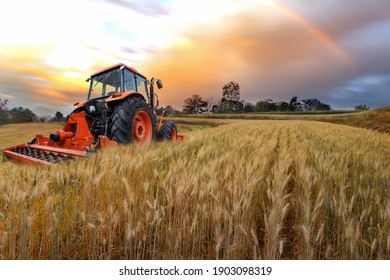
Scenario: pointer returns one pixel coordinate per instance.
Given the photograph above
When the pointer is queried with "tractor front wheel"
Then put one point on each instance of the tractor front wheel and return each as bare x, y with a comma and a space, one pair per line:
168, 131
133, 121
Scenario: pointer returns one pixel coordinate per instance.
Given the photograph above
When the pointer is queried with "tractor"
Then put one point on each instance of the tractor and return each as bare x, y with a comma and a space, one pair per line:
119, 110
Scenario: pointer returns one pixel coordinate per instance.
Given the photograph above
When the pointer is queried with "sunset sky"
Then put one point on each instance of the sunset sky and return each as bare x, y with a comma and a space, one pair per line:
332, 50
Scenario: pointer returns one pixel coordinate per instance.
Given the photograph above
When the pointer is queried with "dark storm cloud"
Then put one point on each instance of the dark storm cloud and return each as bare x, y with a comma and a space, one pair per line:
364, 30
374, 91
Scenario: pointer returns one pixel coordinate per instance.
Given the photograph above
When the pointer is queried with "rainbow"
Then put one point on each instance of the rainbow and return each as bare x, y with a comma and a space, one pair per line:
311, 28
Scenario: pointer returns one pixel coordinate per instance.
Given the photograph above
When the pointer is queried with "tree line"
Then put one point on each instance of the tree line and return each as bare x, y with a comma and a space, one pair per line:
230, 102
22, 115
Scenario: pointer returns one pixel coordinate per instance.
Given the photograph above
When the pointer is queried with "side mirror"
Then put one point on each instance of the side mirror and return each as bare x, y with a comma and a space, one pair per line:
159, 84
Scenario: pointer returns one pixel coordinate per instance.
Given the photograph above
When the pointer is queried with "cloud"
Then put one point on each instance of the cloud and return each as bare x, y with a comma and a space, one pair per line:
268, 61
272, 55
371, 90
42, 85
338, 18
369, 46
6, 96
149, 8
44, 111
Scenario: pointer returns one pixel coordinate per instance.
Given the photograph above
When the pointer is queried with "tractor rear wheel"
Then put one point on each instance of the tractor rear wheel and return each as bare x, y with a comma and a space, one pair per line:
168, 131
133, 121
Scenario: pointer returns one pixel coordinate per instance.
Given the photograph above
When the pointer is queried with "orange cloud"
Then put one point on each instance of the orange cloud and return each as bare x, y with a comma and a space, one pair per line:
267, 54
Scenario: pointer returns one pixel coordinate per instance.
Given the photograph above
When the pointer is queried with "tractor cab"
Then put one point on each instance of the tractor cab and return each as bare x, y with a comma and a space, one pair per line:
116, 80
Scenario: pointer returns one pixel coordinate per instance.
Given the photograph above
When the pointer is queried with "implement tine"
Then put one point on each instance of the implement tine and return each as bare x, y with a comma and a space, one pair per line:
33, 154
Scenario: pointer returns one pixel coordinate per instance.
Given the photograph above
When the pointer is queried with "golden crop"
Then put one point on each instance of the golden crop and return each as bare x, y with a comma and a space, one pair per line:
248, 190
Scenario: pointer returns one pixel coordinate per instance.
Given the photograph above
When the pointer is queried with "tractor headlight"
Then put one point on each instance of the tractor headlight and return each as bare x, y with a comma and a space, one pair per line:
90, 108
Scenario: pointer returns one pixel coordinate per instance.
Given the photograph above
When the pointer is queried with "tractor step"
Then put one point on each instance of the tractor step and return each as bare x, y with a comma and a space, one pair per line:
42, 155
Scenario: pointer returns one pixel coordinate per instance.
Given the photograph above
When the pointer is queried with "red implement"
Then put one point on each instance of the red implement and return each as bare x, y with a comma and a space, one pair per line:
74, 140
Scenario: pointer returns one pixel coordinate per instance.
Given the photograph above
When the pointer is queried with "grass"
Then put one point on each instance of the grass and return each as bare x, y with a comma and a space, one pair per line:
246, 190
13, 134
378, 120
316, 115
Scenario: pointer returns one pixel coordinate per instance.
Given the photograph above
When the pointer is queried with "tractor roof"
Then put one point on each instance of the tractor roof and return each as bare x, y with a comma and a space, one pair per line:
117, 66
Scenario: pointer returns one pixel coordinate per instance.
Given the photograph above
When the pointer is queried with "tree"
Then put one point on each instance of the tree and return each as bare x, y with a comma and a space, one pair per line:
294, 104
362, 107
15, 115
210, 104
3, 117
310, 104
282, 106
216, 108
266, 105
248, 107
20, 114
323, 107
230, 102
58, 117
167, 110
3, 104
3, 111
262, 106
315, 105
194, 105
159, 110
231, 91
271, 105
44, 119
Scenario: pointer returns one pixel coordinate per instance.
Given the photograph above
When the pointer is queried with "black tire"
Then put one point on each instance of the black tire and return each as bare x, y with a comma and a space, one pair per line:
122, 120
168, 131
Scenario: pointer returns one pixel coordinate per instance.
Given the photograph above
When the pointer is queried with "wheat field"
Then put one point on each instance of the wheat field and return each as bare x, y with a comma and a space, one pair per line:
247, 190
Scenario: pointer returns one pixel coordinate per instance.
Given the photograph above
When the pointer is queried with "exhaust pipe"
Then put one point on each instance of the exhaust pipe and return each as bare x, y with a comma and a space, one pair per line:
60, 135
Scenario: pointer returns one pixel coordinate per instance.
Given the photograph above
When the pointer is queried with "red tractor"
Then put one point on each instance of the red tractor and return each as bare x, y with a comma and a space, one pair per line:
119, 109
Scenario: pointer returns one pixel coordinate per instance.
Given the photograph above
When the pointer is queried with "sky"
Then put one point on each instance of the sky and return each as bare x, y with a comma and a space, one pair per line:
332, 50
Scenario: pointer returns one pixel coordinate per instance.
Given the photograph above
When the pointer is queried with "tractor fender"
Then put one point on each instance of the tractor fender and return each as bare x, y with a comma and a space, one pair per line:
112, 98
80, 104
115, 99
121, 96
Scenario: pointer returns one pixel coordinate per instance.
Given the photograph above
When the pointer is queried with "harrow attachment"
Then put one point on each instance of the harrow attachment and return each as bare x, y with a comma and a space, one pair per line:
41, 155
73, 141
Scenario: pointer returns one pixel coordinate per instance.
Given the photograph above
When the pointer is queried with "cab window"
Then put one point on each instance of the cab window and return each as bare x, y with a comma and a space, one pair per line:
105, 84
142, 85
129, 80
